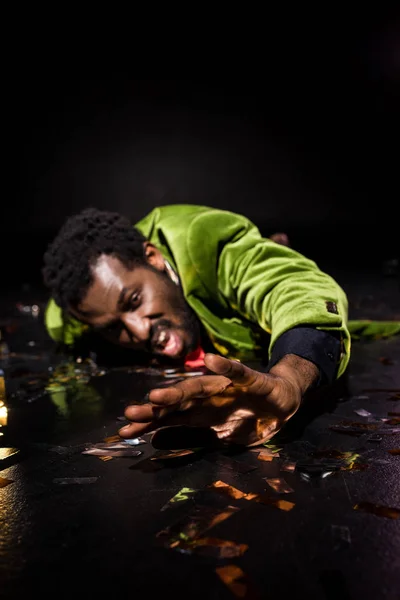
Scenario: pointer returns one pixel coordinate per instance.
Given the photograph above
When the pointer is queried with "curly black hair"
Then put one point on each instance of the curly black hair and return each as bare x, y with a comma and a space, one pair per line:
78, 244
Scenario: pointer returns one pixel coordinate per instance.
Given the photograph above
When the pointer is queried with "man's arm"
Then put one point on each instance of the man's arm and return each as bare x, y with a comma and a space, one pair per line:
318, 348
287, 295
304, 373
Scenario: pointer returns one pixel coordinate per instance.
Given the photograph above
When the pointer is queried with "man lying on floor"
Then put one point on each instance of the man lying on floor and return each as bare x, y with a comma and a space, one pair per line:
196, 285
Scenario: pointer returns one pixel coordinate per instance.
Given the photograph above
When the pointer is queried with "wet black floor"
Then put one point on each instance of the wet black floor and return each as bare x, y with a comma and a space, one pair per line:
98, 538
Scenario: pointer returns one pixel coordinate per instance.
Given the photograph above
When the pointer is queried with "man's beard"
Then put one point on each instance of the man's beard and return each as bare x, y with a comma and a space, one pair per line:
189, 324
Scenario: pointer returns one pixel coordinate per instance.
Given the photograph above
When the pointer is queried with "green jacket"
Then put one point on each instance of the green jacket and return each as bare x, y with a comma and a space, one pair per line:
237, 282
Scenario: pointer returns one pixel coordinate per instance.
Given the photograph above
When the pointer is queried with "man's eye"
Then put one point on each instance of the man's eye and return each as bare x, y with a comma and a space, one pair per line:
134, 300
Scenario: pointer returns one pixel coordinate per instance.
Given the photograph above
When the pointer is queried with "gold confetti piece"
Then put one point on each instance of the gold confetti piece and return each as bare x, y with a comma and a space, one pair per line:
281, 504
112, 438
393, 421
265, 457
4, 482
288, 466
266, 452
238, 583
394, 451
191, 526
227, 489
175, 454
279, 485
380, 511
105, 458
266, 499
284, 505
2, 390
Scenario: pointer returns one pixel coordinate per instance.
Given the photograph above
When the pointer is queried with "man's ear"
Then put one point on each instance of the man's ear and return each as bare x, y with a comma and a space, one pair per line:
153, 256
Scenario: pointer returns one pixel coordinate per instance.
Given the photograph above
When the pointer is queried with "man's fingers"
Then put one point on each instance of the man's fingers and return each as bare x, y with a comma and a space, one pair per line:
135, 429
198, 387
240, 374
141, 413
233, 369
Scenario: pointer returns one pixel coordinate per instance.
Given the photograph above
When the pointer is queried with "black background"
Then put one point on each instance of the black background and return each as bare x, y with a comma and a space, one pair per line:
300, 132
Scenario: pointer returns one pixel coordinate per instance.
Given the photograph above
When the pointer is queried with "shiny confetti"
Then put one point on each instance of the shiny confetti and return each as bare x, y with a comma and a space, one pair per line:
175, 454
390, 430
307, 476
5, 482
127, 452
279, 485
112, 438
394, 452
191, 526
135, 441
393, 421
237, 582
227, 490
121, 445
265, 451
376, 509
362, 412
267, 454
272, 447
183, 495
288, 466
266, 457
72, 480
212, 547
284, 505
183, 374
105, 458
325, 461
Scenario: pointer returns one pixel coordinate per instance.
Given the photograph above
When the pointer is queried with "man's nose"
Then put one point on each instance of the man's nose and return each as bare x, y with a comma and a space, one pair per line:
138, 327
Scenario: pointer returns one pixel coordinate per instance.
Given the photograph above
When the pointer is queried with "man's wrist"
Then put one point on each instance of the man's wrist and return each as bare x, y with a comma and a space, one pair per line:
302, 372
322, 348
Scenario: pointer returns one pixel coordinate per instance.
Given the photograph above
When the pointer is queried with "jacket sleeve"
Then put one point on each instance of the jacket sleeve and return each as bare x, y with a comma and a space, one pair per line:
280, 289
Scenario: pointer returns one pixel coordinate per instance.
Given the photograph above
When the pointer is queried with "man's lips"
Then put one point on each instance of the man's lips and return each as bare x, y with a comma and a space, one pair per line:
167, 342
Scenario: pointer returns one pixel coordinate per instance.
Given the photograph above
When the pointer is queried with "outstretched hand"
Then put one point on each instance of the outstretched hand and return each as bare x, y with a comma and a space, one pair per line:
240, 404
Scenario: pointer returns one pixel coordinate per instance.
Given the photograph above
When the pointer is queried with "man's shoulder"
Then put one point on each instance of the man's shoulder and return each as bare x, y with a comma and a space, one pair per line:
189, 217
161, 214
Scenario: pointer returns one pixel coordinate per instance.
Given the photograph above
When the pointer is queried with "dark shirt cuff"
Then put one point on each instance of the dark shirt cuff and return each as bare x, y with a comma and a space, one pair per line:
320, 347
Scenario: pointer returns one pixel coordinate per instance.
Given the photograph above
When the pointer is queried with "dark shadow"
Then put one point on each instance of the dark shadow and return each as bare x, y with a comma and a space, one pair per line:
318, 402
